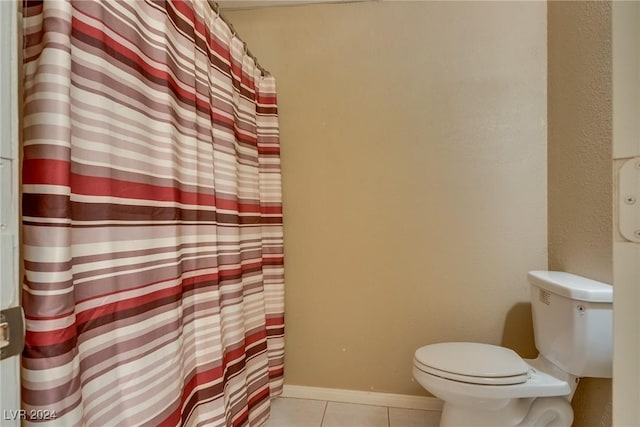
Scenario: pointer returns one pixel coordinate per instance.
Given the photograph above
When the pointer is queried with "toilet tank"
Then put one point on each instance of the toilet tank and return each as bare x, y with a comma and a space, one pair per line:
573, 322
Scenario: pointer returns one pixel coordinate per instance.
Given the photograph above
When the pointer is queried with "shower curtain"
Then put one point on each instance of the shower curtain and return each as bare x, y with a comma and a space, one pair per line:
152, 220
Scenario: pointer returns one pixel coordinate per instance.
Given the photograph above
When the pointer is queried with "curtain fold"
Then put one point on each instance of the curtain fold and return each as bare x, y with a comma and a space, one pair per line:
152, 218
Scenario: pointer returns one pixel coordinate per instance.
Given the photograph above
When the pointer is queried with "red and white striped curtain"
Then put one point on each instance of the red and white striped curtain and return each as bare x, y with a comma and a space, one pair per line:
152, 219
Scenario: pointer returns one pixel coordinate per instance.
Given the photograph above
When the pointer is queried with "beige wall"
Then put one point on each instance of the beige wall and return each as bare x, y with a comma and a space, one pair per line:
414, 173
625, 41
580, 170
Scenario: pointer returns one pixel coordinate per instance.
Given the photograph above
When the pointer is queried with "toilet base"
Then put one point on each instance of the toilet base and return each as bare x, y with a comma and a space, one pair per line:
526, 412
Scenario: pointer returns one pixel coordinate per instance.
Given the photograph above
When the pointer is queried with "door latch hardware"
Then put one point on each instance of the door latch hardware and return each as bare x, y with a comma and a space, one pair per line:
11, 332
4, 334
629, 194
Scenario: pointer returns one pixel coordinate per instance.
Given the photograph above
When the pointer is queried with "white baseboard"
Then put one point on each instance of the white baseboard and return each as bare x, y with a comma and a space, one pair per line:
364, 397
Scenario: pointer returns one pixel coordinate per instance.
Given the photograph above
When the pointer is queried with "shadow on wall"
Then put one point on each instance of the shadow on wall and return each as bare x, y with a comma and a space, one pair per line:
518, 331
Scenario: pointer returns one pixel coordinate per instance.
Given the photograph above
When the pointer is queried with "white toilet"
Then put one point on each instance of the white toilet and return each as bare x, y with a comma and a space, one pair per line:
487, 385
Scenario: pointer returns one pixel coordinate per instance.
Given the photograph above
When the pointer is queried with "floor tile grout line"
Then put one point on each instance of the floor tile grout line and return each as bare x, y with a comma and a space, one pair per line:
326, 403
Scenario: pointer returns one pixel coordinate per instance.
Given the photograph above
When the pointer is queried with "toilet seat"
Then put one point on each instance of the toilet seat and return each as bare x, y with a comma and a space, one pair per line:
472, 363
540, 384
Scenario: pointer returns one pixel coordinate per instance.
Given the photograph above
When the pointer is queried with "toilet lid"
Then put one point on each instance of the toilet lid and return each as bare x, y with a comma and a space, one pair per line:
473, 363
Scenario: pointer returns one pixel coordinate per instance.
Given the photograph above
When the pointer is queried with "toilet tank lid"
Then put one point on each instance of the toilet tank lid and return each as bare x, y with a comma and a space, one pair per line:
572, 286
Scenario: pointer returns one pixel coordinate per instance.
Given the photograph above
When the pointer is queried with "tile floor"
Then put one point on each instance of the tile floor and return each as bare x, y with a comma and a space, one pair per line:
287, 412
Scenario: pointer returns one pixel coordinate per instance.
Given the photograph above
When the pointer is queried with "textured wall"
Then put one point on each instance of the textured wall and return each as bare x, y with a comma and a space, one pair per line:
580, 170
414, 173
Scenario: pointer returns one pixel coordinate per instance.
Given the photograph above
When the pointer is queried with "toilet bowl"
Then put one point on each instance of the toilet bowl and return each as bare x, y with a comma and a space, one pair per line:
488, 385
494, 382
